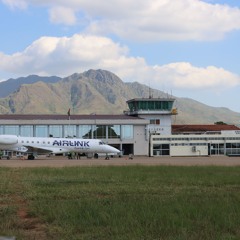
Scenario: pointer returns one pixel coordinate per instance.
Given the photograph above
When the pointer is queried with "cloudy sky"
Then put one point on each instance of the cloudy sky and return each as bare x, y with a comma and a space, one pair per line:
188, 48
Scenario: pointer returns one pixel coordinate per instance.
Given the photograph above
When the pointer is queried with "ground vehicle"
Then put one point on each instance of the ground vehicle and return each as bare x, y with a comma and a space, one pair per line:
5, 154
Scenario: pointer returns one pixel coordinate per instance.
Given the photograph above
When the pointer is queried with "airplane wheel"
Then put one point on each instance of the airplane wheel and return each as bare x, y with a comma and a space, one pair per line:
31, 157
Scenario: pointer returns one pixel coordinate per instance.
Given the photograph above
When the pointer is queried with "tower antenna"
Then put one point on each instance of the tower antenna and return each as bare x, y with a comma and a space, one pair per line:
150, 92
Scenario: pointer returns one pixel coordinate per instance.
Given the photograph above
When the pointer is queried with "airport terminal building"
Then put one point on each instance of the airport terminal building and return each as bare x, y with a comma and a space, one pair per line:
121, 131
145, 129
206, 143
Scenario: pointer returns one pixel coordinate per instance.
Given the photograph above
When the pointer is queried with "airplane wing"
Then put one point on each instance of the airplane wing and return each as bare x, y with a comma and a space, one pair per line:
38, 150
45, 150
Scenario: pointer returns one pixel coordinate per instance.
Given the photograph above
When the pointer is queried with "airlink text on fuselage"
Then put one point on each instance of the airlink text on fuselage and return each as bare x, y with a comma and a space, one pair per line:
69, 143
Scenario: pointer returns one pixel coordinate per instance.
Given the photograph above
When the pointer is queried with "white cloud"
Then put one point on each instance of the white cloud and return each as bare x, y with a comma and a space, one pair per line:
13, 4
64, 56
145, 20
185, 76
63, 15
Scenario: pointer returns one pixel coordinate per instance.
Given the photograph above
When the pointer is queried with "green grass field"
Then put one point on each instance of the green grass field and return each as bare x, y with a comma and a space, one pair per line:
132, 202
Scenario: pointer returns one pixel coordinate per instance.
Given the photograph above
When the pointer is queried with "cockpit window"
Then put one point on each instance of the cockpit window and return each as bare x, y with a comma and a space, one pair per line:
101, 143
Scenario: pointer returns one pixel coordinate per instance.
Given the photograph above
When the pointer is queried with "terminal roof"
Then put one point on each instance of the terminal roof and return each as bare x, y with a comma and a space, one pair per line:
202, 128
63, 117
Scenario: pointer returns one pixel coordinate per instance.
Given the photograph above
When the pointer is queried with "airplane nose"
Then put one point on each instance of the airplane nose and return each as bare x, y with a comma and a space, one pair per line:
114, 150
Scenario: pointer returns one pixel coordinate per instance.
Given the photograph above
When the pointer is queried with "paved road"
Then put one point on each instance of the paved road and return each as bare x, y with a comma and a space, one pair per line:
124, 161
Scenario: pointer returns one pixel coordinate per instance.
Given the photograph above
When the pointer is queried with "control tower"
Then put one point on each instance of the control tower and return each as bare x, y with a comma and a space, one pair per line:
159, 111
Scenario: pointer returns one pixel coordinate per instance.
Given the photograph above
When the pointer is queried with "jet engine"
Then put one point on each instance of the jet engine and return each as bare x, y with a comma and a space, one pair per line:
8, 139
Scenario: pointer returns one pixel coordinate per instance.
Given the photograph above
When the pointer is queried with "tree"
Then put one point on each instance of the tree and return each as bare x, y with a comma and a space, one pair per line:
220, 123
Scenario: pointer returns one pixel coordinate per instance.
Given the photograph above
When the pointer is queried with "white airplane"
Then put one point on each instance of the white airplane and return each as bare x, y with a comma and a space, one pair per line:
40, 145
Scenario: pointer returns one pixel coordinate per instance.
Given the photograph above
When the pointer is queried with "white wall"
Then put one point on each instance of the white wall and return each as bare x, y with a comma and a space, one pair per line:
140, 141
188, 151
165, 126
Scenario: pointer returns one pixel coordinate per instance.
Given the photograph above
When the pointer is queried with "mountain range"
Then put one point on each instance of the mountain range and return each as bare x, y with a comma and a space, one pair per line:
99, 92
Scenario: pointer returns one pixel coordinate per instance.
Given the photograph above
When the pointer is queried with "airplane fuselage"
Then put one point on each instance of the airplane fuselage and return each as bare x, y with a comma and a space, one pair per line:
54, 145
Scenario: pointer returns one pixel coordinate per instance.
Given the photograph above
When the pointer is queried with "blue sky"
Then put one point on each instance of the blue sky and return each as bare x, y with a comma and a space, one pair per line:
189, 48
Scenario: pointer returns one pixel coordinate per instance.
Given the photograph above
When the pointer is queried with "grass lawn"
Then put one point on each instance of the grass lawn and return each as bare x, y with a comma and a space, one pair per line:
130, 202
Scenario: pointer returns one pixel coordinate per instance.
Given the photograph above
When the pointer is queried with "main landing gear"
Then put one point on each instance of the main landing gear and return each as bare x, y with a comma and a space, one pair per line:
31, 157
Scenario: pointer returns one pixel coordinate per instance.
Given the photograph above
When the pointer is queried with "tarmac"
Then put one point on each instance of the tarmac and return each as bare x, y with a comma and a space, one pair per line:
60, 161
